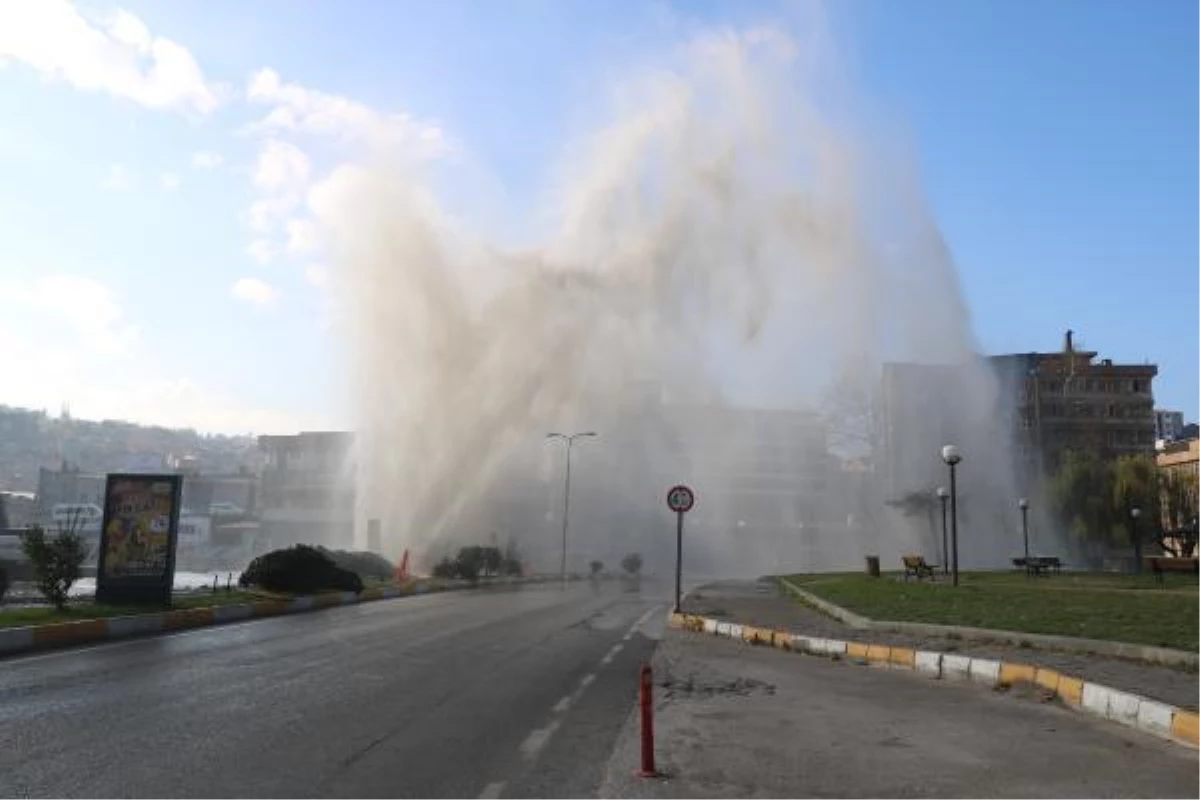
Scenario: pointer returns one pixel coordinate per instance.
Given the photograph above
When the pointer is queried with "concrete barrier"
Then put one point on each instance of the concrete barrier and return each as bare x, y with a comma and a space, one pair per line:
1095, 699
1154, 717
957, 667
14, 640
1183, 726
137, 625
232, 613
1123, 707
1012, 674
929, 663
857, 650
985, 671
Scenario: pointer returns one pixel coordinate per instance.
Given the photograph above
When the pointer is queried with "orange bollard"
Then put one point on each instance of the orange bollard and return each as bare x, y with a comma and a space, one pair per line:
646, 699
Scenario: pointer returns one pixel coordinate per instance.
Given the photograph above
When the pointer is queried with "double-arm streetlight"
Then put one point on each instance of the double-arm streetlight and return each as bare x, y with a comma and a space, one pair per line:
951, 456
569, 438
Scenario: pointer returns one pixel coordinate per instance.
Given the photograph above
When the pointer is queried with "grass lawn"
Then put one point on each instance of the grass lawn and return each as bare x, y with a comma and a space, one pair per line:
1094, 606
83, 609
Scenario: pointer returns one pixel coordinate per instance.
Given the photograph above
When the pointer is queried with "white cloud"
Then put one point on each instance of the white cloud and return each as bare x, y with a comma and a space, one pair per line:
281, 167
297, 108
253, 290
317, 275
119, 178
303, 236
76, 309
117, 55
262, 251
205, 159
169, 181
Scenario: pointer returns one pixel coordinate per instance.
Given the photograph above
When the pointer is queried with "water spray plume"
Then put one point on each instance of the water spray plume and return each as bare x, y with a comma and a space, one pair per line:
723, 236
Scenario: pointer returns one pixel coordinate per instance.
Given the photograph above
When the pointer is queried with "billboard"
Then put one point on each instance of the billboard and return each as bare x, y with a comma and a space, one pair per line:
138, 538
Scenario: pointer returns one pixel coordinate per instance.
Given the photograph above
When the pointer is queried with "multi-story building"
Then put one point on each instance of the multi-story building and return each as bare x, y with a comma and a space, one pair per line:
758, 474
1070, 401
1168, 425
1180, 459
307, 489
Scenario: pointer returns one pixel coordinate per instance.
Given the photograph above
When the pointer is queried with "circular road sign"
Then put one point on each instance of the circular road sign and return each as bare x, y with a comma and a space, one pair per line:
680, 499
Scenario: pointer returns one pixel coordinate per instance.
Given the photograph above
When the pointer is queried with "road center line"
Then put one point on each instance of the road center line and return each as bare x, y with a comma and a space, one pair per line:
563, 705
492, 790
535, 741
586, 680
611, 654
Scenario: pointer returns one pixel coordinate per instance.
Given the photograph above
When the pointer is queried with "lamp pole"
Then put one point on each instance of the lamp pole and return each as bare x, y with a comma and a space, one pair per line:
952, 458
943, 496
1134, 513
1024, 505
569, 438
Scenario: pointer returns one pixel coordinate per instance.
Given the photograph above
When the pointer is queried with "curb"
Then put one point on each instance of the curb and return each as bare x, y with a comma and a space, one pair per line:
1150, 716
102, 629
1071, 644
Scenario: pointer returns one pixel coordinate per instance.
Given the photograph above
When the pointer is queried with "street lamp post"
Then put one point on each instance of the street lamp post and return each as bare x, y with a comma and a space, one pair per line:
1134, 513
943, 496
569, 438
952, 457
1024, 504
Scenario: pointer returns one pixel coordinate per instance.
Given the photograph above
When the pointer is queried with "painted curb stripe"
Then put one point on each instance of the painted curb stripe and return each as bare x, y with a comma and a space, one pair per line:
1183, 726
14, 640
88, 630
34, 637
1149, 716
1012, 674
137, 625
187, 618
231, 613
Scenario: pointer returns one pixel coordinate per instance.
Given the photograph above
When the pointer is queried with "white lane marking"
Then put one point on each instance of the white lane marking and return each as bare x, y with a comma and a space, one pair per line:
563, 705
535, 741
586, 680
492, 790
645, 617
611, 654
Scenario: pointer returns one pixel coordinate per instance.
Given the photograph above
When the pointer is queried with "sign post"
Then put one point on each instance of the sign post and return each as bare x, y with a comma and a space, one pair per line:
680, 499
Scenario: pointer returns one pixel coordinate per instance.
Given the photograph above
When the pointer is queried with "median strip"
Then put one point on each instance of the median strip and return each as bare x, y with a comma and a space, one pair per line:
14, 640
1150, 716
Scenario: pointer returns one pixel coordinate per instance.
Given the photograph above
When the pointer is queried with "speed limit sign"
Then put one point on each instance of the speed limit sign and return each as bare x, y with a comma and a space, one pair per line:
680, 499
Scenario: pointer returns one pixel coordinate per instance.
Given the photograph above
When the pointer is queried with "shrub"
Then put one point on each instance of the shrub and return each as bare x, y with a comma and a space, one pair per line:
57, 562
468, 563
444, 569
632, 563
596, 567
364, 564
299, 570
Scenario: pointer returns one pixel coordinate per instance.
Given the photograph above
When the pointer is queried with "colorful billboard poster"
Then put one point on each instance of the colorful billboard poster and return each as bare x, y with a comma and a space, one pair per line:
138, 538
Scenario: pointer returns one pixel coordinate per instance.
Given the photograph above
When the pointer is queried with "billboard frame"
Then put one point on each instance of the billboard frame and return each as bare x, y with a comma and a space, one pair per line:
138, 589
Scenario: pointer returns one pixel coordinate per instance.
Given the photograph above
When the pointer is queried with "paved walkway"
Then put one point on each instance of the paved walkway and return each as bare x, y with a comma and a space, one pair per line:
739, 721
765, 605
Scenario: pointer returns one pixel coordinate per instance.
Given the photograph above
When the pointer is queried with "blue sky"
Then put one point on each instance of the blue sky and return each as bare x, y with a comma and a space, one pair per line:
1057, 143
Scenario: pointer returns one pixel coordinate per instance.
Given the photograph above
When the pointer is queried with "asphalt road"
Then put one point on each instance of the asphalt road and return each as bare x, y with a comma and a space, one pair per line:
518, 692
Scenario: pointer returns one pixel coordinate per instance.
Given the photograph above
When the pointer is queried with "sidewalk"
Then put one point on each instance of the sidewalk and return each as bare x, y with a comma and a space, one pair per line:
732, 720
764, 604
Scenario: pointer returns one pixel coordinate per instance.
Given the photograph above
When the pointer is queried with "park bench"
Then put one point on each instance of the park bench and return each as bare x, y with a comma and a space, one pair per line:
1163, 564
917, 567
1036, 565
